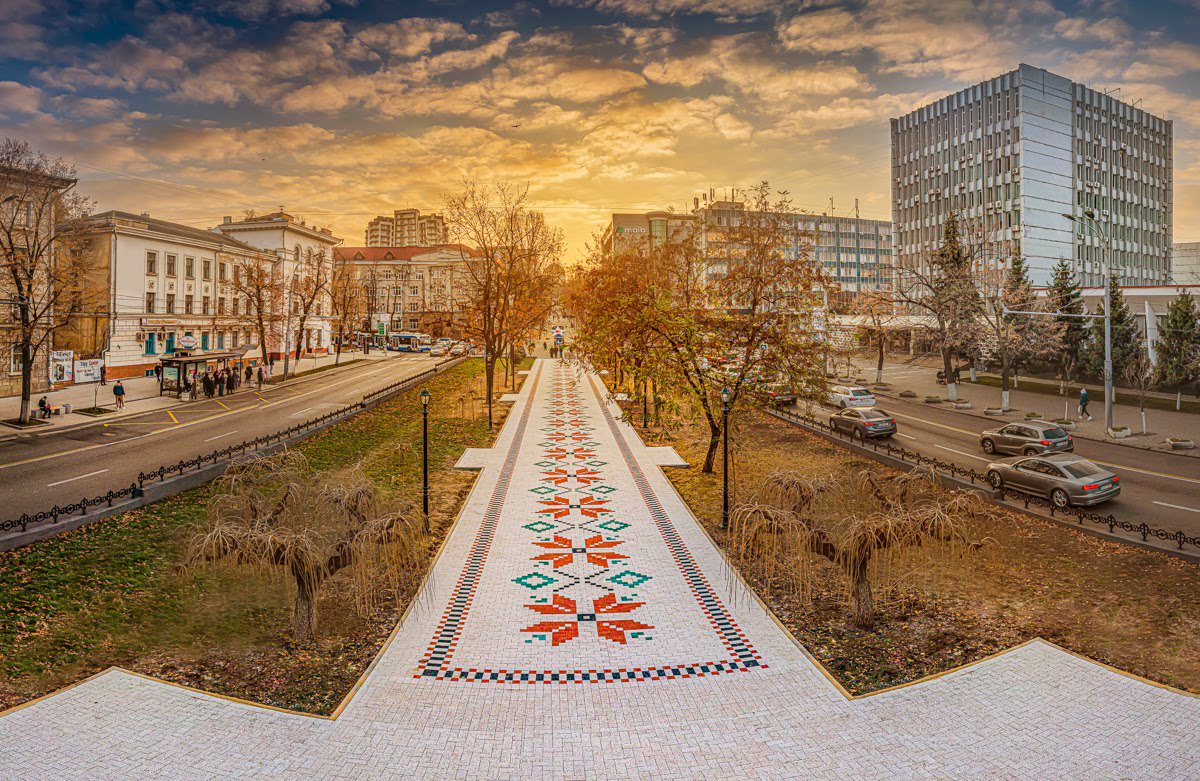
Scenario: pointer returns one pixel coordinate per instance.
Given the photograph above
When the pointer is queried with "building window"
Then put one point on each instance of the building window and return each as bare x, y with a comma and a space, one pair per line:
236, 302
204, 305
207, 268
221, 305
414, 291
233, 339
151, 262
222, 271
170, 303
14, 359
149, 303
187, 304
221, 341
319, 307
189, 268
150, 344
171, 265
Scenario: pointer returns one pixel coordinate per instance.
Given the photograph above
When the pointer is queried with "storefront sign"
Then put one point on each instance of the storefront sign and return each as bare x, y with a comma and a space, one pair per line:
88, 370
188, 342
622, 229
159, 321
62, 365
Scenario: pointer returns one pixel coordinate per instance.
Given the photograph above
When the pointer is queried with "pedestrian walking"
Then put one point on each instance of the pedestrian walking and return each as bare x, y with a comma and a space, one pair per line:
158, 372
119, 395
221, 383
207, 383
103, 375
249, 374
262, 377
230, 382
1084, 398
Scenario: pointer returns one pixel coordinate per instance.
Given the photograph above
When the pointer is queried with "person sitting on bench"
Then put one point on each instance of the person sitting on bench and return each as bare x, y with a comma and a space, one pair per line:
44, 407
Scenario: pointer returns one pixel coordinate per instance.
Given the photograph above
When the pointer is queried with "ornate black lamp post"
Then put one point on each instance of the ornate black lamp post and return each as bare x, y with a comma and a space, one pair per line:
725, 457
425, 455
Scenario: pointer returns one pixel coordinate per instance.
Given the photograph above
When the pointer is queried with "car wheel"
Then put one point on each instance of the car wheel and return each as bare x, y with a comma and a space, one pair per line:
989, 446
858, 434
1030, 451
842, 404
1060, 498
994, 478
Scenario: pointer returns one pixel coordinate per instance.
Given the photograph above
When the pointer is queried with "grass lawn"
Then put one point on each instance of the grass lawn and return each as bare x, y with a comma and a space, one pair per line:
1130, 608
114, 594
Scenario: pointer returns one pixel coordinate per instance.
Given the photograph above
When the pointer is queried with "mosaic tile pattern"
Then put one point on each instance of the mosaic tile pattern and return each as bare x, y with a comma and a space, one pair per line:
608, 627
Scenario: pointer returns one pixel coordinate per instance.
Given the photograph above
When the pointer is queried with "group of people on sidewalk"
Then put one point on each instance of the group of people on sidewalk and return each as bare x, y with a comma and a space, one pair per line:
224, 381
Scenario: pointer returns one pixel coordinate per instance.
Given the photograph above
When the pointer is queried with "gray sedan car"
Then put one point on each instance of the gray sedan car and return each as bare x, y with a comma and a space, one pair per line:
1027, 438
1065, 479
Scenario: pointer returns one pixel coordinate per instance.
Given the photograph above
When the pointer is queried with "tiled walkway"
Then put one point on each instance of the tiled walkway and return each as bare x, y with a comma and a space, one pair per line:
579, 625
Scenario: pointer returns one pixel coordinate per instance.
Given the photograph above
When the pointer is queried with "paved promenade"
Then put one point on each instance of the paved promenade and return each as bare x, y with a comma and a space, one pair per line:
580, 625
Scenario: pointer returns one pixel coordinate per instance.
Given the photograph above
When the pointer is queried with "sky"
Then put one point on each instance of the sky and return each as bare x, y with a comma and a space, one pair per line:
339, 110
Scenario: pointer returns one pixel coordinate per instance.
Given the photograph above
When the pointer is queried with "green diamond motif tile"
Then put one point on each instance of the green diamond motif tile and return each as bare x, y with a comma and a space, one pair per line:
539, 526
535, 580
596, 462
628, 578
601, 489
545, 464
612, 525
542, 490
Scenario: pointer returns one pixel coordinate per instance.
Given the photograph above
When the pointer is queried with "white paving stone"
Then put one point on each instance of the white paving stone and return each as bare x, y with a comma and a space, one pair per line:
706, 685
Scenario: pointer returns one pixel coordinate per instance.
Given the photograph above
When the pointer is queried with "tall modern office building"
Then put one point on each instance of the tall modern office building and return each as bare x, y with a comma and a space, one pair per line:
1012, 155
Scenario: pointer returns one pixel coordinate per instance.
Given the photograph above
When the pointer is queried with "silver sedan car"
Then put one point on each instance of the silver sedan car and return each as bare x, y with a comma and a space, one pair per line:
1065, 479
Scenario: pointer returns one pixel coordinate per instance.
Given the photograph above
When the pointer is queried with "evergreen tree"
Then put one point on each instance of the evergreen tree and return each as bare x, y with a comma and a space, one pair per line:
1126, 340
1178, 345
1065, 297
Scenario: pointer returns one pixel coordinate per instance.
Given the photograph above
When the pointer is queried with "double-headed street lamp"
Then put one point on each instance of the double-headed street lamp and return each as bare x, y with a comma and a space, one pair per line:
425, 455
725, 457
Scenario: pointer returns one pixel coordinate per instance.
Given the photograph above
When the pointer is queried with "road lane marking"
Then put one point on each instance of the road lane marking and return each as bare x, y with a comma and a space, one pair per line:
85, 448
962, 453
218, 436
906, 436
298, 413
1178, 507
223, 404
73, 479
172, 414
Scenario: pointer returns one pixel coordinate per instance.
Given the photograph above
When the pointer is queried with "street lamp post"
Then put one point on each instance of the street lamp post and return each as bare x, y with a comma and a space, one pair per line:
425, 456
287, 329
1089, 220
645, 403
725, 458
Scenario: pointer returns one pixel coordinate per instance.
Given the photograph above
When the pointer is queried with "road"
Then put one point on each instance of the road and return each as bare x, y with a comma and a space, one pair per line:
37, 472
1160, 489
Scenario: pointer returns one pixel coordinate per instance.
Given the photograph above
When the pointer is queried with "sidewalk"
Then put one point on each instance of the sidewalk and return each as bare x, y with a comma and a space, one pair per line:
141, 395
922, 379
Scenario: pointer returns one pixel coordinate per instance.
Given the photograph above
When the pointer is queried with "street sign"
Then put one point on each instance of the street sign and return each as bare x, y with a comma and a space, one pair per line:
382, 328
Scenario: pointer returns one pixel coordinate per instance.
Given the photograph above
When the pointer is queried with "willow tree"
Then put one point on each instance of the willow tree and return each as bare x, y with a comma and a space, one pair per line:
510, 256
278, 514
857, 522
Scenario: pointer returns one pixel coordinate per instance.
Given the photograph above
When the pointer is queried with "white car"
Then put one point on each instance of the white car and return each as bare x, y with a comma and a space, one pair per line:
851, 396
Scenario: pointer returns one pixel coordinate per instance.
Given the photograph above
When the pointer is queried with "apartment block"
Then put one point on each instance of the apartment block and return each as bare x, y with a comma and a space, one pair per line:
1012, 155
407, 228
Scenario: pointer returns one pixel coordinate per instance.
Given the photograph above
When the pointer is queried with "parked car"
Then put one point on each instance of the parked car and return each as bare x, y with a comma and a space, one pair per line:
864, 423
1065, 479
1028, 438
851, 396
777, 393
458, 349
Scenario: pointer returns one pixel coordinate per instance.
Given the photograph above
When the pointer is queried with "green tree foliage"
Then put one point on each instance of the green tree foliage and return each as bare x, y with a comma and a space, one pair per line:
1065, 297
1126, 339
1178, 347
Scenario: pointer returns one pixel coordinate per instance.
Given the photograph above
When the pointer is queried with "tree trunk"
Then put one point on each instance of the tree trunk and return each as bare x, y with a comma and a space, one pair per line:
951, 387
489, 370
26, 381
304, 612
714, 441
1004, 372
862, 601
879, 363
338, 355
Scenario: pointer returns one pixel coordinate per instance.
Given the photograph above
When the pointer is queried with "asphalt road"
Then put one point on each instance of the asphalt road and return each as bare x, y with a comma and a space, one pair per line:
39, 471
1160, 489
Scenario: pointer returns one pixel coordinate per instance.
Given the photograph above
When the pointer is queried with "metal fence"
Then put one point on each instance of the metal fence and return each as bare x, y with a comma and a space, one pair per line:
135, 490
1080, 515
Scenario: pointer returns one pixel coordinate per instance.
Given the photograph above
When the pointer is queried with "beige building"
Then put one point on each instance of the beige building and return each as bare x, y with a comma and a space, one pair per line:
419, 289
407, 228
1185, 263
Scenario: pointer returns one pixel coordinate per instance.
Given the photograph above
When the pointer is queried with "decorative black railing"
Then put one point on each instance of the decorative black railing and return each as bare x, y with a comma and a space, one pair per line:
135, 490
1081, 515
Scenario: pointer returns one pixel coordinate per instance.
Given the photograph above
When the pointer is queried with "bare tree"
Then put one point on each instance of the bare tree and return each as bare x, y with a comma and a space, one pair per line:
347, 296
257, 287
309, 291
42, 260
511, 265
941, 287
1141, 376
876, 313
853, 522
278, 512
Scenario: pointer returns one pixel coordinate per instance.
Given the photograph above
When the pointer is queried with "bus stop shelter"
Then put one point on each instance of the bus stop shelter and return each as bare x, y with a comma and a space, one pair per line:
181, 370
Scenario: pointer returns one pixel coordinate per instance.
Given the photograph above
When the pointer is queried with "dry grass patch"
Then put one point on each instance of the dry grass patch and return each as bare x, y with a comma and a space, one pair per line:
1133, 609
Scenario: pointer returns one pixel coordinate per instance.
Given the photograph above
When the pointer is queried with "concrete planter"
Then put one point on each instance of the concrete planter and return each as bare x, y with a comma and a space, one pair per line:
1066, 425
963, 404
1121, 432
907, 394
1178, 443
995, 411
933, 399
1033, 416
